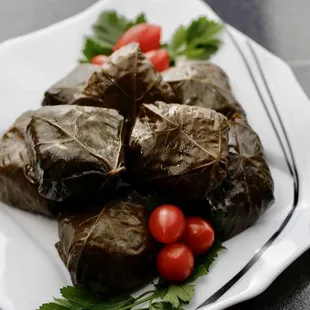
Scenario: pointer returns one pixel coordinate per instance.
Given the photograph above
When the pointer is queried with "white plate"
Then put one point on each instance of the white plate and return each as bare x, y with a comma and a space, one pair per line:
31, 271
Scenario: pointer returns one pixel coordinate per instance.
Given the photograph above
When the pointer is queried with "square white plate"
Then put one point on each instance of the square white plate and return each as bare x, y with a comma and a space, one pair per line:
31, 271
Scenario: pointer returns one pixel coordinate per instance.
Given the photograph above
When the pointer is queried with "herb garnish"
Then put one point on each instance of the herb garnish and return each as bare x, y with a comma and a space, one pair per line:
197, 41
106, 31
165, 296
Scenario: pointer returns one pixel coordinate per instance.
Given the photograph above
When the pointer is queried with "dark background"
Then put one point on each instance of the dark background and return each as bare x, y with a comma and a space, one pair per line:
282, 26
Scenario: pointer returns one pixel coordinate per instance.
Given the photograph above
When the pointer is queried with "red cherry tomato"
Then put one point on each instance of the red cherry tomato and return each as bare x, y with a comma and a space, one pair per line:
175, 262
167, 223
198, 235
99, 60
147, 35
159, 59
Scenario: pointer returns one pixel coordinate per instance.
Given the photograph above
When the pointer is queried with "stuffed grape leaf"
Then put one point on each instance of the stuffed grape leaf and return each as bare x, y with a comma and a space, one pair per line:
110, 246
204, 72
70, 88
179, 149
127, 79
76, 152
247, 190
203, 85
15, 189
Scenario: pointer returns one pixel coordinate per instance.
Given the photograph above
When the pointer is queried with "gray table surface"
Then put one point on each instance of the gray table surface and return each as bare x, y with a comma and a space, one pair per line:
282, 26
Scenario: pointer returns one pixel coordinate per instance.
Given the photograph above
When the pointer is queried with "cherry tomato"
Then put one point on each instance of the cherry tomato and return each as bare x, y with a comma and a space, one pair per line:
147, 35
99, 60
175, 262
159, 59
167, 223
198, 235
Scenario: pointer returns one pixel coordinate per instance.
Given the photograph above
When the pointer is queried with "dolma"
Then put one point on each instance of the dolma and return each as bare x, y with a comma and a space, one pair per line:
110, 246
203, 85
204, 72
15, 189
179, 149
127, 79
76, 152
70, 88
247, 190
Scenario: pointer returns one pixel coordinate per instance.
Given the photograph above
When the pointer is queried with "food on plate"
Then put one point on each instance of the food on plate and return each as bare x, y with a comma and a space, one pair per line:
109, 27
179, 150
183, 238
247, 190
147, 35
75, 152
198, 235
203, 72
175, 262
159, 58
126, 80
16, 190
67, 90
167, 223
199, 40
111, 246
204, 85
99, 60
115, 128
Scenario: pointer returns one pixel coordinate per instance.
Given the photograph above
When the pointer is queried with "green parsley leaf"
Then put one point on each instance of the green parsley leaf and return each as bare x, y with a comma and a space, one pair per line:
79, 296
166, 296
204, 262
106, 31
179, 293
161, 305
160, 292
94, 47
202, 52
110, 26
140, 19
164, 45
116, 303
99, 290
202, 29
64, 302
178, 38
197, 41
53, 306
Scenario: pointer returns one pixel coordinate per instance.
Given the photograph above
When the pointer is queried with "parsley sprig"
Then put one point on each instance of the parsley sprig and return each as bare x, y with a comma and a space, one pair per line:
165, 296
199, 40
161, 298
106, 31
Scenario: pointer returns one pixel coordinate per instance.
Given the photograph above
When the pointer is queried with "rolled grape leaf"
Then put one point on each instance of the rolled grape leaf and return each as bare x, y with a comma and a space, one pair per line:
203, 85
15, 189
247, 190
76, 152
70, 88
110, 246
204, 72
127, 79
179, 149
